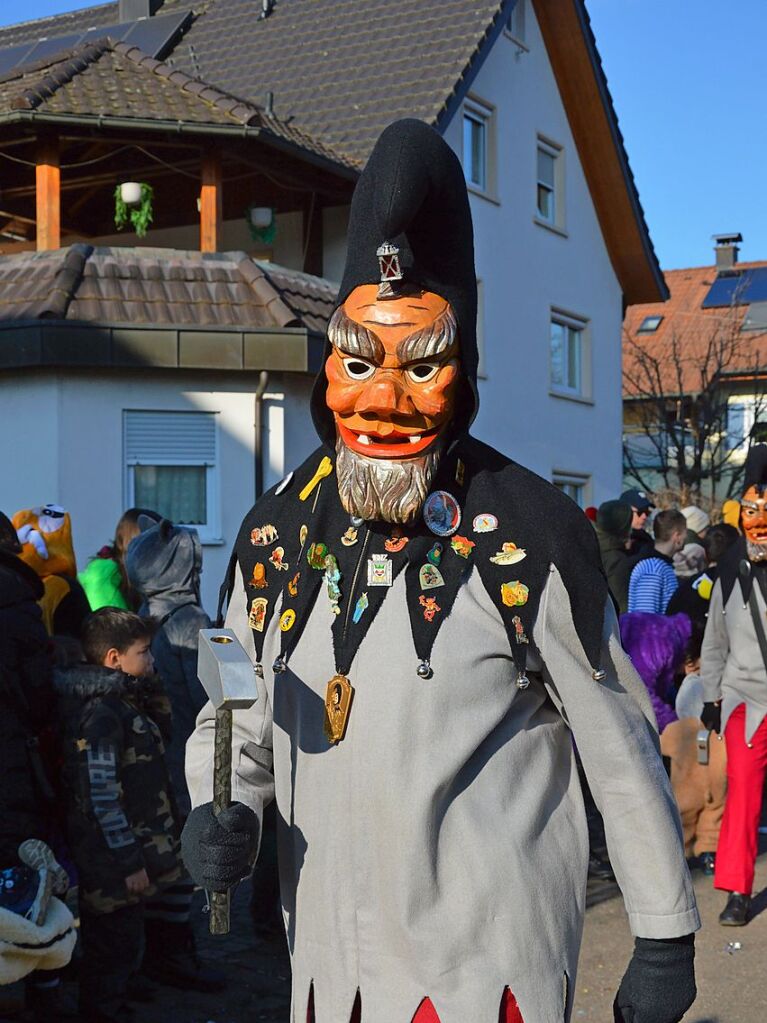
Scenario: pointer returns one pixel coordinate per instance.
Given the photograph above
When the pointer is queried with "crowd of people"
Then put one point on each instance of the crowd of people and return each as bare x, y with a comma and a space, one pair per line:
703, 661
99, 693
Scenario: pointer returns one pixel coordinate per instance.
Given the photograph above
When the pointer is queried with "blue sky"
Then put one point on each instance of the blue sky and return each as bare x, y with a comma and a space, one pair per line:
689, 81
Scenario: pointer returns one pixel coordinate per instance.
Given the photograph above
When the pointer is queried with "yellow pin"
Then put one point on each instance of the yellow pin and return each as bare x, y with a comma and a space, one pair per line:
323, 469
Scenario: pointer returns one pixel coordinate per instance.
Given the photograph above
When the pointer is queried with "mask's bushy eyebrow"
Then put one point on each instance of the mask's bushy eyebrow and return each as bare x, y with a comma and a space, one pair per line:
353, 339
429, 341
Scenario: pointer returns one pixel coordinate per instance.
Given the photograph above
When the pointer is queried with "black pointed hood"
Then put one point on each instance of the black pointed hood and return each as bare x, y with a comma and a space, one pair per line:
412, 194
755, 474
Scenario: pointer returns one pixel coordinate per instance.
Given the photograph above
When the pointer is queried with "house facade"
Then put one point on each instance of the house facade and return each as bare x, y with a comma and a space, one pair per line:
695, 379
197, 412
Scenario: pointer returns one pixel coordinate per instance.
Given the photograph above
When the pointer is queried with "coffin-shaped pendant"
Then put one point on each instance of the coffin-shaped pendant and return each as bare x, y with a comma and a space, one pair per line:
338, 704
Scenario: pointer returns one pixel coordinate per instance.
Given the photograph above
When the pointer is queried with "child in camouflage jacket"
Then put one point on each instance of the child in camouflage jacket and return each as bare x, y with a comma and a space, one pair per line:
122, 824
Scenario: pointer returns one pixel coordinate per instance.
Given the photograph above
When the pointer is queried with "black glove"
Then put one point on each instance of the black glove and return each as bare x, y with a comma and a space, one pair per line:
220, 851
659, 984
712, 717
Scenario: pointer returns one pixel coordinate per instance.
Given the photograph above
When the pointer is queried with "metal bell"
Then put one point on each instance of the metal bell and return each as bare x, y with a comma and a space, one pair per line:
279, 666
424, 670
522, 681
599, 674
356, 521
259, 669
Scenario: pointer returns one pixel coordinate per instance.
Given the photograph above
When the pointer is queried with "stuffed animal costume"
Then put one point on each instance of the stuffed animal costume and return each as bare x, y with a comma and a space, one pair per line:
418, 683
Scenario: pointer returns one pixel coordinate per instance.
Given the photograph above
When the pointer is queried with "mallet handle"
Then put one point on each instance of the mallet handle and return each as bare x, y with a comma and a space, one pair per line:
222, 797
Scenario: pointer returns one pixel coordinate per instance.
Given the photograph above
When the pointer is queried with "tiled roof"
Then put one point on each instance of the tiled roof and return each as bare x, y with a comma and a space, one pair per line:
160, 287
114, 79
339, 70
61, 24
689, 330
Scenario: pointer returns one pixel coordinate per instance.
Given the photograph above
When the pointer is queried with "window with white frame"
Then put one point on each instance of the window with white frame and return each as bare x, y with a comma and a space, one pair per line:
516, 23
478, 146
171, 466
568, 355
550, 183
574, 485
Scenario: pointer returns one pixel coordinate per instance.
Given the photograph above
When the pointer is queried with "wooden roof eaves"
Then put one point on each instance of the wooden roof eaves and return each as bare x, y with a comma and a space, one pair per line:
233, 131
582, 84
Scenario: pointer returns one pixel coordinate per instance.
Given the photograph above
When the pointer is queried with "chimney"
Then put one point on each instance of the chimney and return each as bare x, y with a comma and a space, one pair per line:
132, 10
726, 250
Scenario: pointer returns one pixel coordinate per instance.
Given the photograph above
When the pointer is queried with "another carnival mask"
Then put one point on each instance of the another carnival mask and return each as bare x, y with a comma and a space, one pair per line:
754, 521
392, 380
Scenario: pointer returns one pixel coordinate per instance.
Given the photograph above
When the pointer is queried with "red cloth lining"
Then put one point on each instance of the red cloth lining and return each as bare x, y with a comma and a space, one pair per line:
426, 1013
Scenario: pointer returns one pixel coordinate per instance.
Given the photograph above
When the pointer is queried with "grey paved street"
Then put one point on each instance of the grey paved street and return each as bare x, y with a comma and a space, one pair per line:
730, 981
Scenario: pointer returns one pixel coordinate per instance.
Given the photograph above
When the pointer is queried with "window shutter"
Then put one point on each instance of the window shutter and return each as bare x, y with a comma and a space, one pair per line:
168, 437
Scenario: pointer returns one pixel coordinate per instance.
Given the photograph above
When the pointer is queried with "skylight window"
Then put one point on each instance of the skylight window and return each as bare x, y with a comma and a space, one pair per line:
649, 324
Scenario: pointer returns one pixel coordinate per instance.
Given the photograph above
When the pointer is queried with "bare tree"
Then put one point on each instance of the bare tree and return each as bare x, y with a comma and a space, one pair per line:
677, 389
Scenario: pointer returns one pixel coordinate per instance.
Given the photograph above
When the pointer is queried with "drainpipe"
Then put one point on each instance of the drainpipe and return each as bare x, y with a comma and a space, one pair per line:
258, 427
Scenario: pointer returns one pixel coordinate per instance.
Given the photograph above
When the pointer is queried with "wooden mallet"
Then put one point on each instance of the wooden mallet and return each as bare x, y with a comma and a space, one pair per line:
227, 676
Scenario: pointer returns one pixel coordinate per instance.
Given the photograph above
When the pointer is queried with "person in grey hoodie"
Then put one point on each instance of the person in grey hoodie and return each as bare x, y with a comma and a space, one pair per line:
163, 565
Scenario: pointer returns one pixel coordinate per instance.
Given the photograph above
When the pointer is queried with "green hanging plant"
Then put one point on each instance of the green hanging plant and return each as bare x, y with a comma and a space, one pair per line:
264, 233
139, 215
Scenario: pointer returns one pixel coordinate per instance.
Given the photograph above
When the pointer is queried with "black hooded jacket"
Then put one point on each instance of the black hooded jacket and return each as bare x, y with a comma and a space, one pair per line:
26, 707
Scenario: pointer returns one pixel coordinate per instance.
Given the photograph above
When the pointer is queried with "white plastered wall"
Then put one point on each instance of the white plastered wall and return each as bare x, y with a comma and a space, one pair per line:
527, 269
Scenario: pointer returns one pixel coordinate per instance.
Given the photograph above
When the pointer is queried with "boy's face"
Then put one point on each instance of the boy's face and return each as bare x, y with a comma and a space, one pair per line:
135, 660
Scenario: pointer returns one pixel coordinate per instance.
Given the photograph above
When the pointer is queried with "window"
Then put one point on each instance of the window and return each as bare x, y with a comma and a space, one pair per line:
574, 485
516, 23
567, 355
756, 317
550, 184
171, 466
475, 148
649, 324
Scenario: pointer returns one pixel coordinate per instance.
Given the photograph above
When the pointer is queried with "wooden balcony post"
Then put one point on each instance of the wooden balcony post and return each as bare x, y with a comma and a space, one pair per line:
210, 202
48, 194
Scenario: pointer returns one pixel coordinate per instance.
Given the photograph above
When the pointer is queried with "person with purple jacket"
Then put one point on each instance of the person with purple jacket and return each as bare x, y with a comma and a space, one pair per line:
656, 645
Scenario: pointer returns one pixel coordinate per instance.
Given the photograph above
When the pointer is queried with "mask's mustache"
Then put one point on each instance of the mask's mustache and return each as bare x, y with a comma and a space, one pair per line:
382, 490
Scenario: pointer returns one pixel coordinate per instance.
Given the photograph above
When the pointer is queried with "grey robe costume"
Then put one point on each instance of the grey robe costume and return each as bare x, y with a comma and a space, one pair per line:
732, 666
441, 848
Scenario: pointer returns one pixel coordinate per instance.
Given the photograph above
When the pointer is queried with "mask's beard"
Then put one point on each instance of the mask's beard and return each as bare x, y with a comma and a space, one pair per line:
756, 551
385, 491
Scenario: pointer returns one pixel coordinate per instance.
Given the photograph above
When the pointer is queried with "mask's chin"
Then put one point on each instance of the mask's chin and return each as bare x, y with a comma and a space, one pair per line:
385, 489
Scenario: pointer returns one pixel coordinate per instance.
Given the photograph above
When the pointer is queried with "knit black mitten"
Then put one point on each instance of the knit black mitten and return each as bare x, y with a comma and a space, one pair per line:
220, 851
659, 984
711, 716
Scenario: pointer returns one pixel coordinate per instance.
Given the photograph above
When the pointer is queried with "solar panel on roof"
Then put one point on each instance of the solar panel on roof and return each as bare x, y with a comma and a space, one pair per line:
737, 288
47, 47
155, 36
13, 55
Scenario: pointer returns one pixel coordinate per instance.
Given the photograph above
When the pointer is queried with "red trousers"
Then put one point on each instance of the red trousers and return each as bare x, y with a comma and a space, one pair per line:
746, 769
425, 1013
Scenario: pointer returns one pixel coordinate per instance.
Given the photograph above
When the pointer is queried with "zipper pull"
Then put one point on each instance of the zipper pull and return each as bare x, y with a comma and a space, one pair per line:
323, 469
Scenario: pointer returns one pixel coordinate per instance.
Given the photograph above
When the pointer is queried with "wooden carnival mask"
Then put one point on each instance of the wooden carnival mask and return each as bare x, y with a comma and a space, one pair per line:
393, 374
754, 516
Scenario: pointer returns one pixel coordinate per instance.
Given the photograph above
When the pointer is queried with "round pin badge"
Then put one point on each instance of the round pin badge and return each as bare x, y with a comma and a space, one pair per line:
442, 513
287, 619
284, 483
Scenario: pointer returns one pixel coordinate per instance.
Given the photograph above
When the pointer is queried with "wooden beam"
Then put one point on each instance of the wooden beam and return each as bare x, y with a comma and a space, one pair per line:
48, 194
210, 202
313, 236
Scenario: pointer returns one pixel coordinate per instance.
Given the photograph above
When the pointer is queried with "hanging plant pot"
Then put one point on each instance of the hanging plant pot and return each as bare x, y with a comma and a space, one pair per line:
130, 192
134, 211
262, 223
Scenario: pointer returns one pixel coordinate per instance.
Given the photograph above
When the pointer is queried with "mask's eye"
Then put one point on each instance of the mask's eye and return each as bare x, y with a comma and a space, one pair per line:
357, 369
422, 371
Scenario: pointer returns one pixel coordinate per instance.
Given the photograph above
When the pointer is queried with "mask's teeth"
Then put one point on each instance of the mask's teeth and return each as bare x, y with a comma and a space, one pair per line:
363, 438
415, 438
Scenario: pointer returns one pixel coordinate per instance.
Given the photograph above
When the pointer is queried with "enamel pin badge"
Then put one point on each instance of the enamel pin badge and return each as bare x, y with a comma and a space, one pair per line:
514, 594
257, 616
430, 607
359, 608
264, 536
485, 523
462, 546
380, 570
430, 577
434, 556
350, 537
277, 559
258, 581
442, 513
396, 542
509, 554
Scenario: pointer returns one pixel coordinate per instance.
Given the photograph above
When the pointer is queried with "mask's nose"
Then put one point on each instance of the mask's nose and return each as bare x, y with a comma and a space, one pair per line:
384, 396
